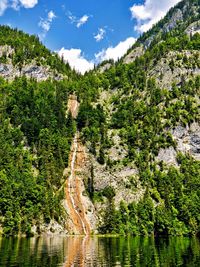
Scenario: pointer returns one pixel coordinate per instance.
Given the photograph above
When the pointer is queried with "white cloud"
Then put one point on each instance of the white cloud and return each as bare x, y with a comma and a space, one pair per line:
72, 18
51, 16
78, 21
115, 52
150, 12
28, 3
16, 4
100, 35
3, 6
76, 60
82, 21
45, 24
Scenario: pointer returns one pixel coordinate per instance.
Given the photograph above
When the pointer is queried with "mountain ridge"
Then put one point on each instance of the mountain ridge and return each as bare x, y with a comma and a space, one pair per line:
139, 124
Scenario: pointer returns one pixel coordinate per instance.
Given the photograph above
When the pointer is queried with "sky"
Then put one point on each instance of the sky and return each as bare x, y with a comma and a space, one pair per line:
85, 32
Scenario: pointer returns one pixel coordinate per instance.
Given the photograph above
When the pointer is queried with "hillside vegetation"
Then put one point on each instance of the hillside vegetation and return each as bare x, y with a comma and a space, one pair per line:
139, 121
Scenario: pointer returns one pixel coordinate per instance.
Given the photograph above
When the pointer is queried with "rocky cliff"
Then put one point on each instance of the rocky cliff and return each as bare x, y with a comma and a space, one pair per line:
151, 102
31, 70
114, 151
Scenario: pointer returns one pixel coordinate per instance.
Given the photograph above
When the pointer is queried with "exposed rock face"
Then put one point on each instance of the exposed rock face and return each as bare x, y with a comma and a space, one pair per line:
148, 41
52, 228
122, 179
168, 156
105, 67
188, 140
78, 223
193, 28
176, 17
195, 143
40, 73
8, 71
32, 70
179, 132
73, 106
83, 171
137, 52
117, 151
174, 66
82, 219
6, 50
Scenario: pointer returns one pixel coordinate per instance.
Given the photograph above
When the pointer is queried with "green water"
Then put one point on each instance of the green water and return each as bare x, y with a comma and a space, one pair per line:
99, 251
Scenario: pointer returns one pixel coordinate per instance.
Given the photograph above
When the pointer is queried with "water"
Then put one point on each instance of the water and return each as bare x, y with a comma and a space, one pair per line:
99, 251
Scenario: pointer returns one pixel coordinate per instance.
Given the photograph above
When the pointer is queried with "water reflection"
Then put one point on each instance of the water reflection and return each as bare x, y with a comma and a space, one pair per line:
99, 251
77, 251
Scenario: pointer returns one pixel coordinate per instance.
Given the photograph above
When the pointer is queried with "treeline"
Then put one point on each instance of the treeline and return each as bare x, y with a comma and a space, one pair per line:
170, 205
145, 114
36, 134
28, 48
35, 139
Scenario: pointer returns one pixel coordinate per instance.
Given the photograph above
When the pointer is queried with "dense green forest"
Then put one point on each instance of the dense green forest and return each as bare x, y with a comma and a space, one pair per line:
35, 140
145, 114
36, 134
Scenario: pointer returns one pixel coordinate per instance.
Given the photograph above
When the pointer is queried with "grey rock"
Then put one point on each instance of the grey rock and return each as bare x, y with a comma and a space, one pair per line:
37, 72
188, 139
136, 52
52, 228
193, 28
119, 179
188, 142
165, 75
117, 151
40, 73
176, 17
194, 127
179, 132
195, 143
4, 69
167, 155
8, 71
105, 67
6, 50
148, 41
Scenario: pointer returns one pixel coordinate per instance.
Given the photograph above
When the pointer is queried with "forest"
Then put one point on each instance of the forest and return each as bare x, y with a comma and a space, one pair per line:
36, 135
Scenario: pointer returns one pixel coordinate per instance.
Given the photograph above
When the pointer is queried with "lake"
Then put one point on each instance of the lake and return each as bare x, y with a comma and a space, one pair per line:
99, 251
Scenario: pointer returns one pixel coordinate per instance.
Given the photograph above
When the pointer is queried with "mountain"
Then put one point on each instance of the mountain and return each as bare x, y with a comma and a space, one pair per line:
183, 18
22, 54
133, 128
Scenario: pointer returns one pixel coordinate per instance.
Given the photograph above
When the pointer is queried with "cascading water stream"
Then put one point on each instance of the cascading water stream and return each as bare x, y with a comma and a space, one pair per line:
75, 204
71, 179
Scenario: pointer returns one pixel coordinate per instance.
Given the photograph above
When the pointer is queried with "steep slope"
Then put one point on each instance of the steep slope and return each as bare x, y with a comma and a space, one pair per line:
23, 54
145, 153
139, 131
183, 18
35, 135
74, 204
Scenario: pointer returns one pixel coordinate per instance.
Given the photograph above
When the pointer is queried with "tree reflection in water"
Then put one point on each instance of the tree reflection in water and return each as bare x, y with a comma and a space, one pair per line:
83, 251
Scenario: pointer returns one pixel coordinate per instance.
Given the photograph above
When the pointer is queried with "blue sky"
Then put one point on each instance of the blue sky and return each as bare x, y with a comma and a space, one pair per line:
85, 32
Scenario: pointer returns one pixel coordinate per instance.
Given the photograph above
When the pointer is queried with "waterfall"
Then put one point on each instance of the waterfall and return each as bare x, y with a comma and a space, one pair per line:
71, 180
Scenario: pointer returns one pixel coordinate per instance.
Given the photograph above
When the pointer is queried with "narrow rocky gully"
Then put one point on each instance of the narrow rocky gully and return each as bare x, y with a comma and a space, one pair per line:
78, 223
